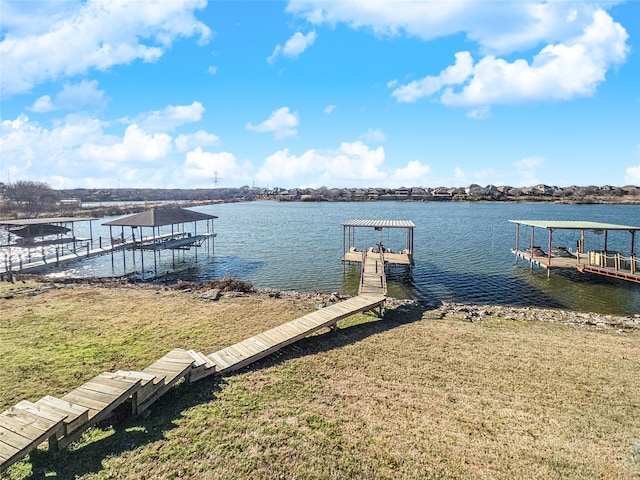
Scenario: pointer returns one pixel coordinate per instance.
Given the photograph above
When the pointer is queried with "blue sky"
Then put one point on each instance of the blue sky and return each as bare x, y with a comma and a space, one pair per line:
384, 93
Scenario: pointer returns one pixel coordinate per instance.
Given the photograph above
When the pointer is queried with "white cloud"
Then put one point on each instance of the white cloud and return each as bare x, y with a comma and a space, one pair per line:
632, 176
201, 166
97, 34
452, 75
72, 96
498, 27
527, 169
79, 149
329, 109
349, 164
135, 146
171, 117
42, 105
30, 151
373, 135
578, 43
282, 123
413, 174
201, 138
463, 178
558, 72
293, 47
480, 113
212, 70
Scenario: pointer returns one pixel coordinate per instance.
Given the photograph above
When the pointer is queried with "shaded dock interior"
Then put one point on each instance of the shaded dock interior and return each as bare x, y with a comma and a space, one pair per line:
600, 261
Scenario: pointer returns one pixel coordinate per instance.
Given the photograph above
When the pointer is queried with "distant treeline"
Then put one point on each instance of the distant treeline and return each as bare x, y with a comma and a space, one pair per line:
35, 199
472, 192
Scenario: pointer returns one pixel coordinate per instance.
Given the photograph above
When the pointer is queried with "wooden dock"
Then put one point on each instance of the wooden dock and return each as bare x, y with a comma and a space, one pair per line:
614, 266
61, 421
81, 253
373, 280
596, 261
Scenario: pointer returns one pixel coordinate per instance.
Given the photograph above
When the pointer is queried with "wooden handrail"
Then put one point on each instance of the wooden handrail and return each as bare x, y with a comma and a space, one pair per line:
384, 275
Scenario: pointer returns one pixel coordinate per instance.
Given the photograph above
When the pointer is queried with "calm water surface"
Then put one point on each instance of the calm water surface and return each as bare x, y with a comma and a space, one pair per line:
462, 251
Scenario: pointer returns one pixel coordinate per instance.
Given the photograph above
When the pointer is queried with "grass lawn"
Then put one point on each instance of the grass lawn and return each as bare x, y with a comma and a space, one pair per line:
411, 395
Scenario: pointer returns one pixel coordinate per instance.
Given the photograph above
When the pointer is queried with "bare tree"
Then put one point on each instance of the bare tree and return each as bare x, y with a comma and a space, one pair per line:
31, 198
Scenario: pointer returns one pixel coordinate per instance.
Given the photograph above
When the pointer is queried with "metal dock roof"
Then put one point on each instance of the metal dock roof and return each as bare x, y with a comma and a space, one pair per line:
380, 223
574, 225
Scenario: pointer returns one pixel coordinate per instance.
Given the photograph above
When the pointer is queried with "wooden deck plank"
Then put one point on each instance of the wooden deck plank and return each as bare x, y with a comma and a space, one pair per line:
254, 344
45, 416
63, 406
178, 355
290, 331
250, 346
296, 326
112, 387
238, 352
228, 357
76, 414
242, 350
169, 369
219, 361
285, 331
20, 424
143, 376
276, 335
7, 453
27, 418
94, 406
13, 439
35, 428
265, 340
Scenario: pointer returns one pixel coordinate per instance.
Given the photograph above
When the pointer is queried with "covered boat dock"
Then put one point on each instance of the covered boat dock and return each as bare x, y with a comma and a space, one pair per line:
174, 236
404, 256
31, 241
600, 261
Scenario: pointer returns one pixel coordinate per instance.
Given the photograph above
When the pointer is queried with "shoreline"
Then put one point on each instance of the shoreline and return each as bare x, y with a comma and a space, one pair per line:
213, 290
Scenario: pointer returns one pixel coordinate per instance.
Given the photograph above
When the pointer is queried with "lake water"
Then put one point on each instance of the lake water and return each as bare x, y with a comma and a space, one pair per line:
462, 251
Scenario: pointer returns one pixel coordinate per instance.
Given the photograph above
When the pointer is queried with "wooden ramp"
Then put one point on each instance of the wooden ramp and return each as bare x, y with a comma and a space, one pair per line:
373, 280
265, 343
61, 421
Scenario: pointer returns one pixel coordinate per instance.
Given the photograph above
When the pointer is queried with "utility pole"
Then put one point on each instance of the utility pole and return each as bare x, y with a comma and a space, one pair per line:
216, 179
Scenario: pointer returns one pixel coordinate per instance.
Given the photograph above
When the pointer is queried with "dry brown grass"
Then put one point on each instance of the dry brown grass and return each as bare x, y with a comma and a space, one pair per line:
64, 336
408, 396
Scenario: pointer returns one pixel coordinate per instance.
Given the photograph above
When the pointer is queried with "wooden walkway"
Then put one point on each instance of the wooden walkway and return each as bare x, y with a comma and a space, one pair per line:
38, 265
373, 280
61, 421
265, 343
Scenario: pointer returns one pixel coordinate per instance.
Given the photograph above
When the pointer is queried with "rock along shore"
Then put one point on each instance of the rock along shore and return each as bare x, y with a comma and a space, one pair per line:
230, 287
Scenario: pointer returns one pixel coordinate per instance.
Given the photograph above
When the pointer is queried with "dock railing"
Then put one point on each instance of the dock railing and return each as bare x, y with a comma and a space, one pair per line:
384, 277
613, 260
362, 265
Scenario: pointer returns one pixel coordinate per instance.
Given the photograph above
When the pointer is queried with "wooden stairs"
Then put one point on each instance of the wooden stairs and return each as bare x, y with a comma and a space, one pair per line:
61, 421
